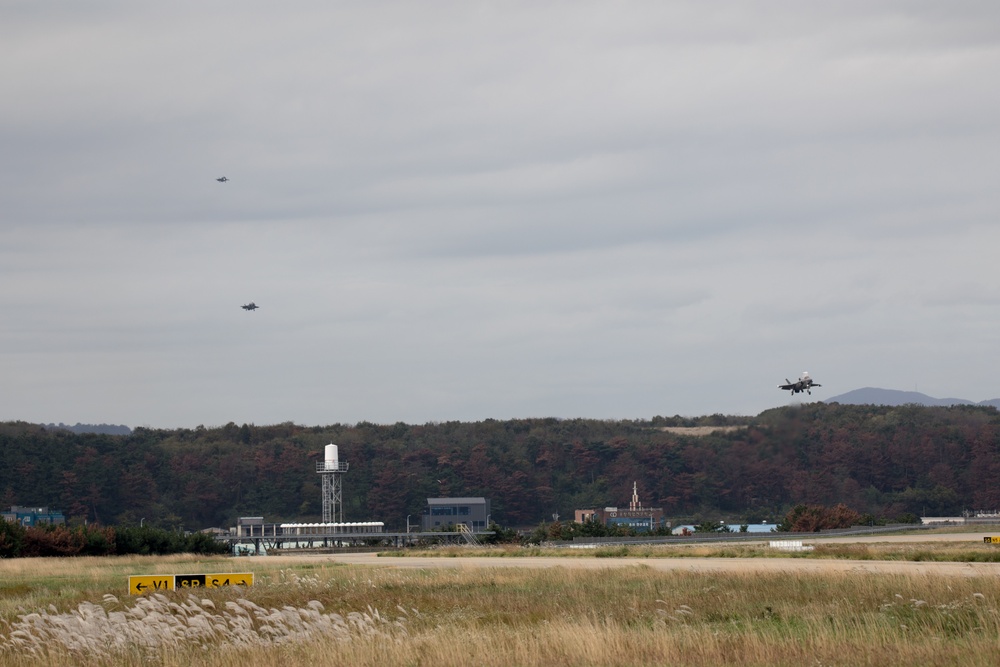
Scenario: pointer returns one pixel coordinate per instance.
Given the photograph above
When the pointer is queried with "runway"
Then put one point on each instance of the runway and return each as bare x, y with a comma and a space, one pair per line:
788, 564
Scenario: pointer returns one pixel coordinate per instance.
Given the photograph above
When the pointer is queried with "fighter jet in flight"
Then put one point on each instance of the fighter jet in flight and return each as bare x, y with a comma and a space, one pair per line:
250, 306
803, 384
222, 180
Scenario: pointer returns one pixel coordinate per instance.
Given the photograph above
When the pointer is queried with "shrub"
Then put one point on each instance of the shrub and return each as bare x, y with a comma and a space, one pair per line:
60, 540
12, 537
814, 518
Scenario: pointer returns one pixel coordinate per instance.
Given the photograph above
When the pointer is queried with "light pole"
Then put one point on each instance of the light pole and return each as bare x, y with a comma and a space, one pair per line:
488, 521
408, 522
141, 520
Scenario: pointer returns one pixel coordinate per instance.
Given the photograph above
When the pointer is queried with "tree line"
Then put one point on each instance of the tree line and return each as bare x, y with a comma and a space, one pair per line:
876, 460
17, 541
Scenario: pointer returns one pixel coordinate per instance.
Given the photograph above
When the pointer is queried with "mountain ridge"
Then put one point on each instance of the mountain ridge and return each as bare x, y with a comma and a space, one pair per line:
896, 397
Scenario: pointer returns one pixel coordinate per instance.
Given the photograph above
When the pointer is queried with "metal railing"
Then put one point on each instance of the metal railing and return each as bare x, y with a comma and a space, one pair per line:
468, 534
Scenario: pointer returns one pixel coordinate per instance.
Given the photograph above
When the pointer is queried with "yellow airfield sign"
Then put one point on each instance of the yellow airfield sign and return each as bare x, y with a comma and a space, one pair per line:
217, 580
991, 539
155, 583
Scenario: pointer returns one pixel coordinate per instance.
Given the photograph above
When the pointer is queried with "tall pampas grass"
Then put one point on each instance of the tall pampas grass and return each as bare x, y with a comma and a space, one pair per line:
315, 614
156, 624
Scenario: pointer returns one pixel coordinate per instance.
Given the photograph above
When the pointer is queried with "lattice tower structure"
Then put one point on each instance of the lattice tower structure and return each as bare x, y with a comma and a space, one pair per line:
331, 468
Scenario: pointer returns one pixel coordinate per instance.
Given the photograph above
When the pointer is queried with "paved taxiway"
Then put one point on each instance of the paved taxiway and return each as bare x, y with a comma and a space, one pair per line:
697, 564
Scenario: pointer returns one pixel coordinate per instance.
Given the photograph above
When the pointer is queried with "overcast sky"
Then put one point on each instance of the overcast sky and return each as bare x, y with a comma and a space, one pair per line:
468, 210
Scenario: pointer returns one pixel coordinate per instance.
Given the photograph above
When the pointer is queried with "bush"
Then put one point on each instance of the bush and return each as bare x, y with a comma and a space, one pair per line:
203, 543
145, 540
60, 540
814, 518
51, 540
12, 537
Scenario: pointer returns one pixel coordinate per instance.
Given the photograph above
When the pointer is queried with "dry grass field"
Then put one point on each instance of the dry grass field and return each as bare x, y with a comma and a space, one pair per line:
506, 611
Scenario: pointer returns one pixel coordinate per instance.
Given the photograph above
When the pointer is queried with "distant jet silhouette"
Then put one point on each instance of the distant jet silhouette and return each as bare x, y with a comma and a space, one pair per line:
803, 384
250, 306
222, 180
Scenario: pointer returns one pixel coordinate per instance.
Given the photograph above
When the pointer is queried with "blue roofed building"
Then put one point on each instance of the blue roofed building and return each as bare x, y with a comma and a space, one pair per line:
33, 516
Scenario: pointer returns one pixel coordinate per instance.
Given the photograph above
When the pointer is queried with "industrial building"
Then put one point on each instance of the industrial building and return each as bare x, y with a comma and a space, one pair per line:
638, 518
447, 519
33, 516
443, 512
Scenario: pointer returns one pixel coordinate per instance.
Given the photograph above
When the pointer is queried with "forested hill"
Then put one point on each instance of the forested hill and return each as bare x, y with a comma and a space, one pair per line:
109, 429
878, 459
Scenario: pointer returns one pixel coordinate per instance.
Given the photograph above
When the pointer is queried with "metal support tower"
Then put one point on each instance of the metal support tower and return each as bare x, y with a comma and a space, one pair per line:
333, 495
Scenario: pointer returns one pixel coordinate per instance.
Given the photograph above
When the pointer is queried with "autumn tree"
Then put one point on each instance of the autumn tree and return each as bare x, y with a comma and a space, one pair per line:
814, 518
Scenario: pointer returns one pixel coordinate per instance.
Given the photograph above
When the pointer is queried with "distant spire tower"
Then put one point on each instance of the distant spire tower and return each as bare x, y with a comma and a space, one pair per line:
635, 504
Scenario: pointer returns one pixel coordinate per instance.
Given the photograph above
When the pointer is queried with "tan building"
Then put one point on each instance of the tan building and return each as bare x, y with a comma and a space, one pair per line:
638, 518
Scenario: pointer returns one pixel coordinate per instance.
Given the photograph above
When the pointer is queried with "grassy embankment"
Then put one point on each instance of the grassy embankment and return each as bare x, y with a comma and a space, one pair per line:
311, 612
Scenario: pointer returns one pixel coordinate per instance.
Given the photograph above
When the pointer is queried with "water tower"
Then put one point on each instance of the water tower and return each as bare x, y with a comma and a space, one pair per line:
331, 468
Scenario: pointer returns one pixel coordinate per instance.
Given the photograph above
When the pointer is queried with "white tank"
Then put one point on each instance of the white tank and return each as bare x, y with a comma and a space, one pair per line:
330, 457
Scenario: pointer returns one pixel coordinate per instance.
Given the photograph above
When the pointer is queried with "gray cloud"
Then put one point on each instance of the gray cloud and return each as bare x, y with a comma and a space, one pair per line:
468, 210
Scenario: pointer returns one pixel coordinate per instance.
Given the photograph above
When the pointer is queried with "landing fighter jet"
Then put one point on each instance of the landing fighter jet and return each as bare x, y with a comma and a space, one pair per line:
222, 180
804, 383
250, 306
